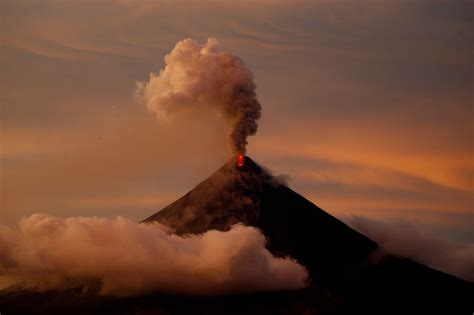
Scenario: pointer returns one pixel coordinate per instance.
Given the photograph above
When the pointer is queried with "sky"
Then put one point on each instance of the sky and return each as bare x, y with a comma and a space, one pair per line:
367, 106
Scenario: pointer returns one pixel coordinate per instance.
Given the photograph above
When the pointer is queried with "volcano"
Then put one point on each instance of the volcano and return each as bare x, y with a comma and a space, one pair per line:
343, 263
348, 272
249, 195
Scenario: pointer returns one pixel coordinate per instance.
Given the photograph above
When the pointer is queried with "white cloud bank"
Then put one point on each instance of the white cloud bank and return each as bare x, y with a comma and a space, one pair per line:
46, 252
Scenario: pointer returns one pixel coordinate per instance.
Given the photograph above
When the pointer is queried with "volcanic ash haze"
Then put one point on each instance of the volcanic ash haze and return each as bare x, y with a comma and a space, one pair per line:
205, 77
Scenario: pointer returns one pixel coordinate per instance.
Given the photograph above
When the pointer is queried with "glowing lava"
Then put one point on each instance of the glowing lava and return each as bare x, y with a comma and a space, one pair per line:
240, 160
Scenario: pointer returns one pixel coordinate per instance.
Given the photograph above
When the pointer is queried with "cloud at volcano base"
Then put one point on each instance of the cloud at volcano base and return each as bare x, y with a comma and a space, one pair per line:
46, 252
411, 240
205, 78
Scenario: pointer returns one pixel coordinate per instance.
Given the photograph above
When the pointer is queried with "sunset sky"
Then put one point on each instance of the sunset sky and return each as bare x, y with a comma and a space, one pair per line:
367, 106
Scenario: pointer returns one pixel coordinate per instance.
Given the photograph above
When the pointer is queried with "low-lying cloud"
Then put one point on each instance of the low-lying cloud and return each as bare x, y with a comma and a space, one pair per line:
121, 257
410, 240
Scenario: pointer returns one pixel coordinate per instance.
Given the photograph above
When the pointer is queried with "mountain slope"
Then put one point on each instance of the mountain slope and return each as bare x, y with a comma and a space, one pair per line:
251, 196
338, 258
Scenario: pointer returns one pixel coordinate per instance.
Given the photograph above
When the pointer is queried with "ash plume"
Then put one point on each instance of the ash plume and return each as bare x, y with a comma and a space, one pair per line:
121, 257
205, 78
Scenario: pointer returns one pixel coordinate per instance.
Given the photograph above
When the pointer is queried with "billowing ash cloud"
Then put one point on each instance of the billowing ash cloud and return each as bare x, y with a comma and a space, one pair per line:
206, 78
409, 240
121, 257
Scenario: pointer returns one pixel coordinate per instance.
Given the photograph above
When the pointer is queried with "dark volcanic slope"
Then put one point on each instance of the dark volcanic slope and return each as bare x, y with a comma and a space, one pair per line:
337, 257
292, 224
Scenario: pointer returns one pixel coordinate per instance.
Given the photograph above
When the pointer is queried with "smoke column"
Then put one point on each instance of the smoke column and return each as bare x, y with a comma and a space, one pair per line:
120, 257
205, 77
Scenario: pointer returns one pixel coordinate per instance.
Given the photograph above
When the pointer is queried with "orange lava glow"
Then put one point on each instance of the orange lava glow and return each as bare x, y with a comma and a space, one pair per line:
240, 160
